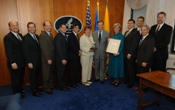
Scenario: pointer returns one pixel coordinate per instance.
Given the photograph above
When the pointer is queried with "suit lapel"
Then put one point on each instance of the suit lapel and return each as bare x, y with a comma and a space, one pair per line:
14, 37
33, 40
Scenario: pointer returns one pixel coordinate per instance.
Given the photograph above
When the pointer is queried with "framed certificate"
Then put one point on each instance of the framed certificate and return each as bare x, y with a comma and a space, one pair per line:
113, 45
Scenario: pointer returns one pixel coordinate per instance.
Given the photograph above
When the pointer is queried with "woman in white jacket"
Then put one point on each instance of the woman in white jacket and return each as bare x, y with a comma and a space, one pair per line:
87, 46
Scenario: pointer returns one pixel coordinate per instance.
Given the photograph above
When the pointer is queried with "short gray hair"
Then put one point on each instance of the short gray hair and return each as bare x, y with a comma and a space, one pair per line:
117, 24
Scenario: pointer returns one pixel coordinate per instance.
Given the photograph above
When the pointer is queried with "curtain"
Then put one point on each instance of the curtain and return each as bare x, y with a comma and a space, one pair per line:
137, 4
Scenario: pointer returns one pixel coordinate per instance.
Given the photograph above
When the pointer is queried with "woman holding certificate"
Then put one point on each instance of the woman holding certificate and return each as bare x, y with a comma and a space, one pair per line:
87, 46
116, 60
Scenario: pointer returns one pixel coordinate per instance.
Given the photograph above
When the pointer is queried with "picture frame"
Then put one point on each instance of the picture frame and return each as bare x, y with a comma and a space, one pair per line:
113, 45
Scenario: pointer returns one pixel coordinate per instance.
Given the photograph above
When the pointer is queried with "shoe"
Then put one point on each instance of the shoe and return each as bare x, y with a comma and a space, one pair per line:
130, 85
116, 84
37, 94
23, 91
96, 80
49, 92
75, 86
102, 82
89, 82
113, 83
64, 89
86, 84
23, 96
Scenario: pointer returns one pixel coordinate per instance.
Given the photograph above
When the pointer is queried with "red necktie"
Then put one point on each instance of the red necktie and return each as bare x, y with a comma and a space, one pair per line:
157, 30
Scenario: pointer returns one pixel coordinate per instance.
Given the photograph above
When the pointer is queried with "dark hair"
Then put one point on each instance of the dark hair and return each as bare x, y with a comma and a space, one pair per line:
100, 21
45, 22
131, 20
141, 17
62, 25
161, 13
74, 25
87, 27
30, 23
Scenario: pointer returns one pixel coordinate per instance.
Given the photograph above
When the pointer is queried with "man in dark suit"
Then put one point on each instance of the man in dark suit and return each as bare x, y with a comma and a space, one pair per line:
47, 56
140, 22
61, 44
145, 51
32, 53
74, 55
15, 57
161, 33
132, 37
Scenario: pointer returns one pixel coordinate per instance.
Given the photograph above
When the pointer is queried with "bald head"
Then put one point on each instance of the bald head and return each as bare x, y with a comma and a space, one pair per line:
13, 26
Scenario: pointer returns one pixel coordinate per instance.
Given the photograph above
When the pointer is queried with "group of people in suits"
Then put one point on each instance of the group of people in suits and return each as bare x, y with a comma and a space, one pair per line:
140, 49
145, 48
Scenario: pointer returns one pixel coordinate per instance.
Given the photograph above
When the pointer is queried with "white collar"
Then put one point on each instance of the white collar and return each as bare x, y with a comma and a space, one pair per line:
143, 37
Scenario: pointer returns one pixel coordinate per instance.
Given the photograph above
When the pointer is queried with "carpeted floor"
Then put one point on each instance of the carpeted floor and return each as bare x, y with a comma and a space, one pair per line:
95, 97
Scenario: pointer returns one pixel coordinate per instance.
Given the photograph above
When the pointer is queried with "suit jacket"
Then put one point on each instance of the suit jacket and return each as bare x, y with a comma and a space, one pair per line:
162, 39
74, 47
131, 43
13, 50
145, 51
47, 47
61, 44
32, 51
100, 52
85, 45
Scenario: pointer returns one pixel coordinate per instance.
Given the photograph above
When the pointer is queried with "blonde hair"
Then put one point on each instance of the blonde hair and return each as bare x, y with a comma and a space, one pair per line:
117, 24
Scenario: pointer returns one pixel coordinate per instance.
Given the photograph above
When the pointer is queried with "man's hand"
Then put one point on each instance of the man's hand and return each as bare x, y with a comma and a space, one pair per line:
49, 62
14, 66
30, 65
64, 62
144, 64
128, 56
154, 49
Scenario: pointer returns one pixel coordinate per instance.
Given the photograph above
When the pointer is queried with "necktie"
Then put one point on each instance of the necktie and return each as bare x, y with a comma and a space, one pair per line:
157, 30
99, 37
127, 33
34, 37
19, 38
141, 40
77, 37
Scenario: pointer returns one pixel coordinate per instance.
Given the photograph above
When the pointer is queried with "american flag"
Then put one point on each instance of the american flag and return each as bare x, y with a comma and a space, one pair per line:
88, 14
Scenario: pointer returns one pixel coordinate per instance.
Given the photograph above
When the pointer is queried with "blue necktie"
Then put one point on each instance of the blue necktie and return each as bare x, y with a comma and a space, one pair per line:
34, 37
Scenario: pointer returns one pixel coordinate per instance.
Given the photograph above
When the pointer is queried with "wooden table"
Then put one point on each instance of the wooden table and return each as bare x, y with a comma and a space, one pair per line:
160, 81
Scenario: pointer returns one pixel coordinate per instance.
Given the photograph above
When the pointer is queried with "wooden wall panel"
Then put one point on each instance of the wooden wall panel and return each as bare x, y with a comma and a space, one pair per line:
38, 11
7, 14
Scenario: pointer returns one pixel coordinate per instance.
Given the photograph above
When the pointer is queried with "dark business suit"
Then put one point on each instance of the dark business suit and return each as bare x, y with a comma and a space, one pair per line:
47, 53
32, 53
14, 54
145, 54
74, 58
61, 45
162, 39
130, 47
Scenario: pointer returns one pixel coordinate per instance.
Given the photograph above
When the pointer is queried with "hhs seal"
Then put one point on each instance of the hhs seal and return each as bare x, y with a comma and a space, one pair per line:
69, 21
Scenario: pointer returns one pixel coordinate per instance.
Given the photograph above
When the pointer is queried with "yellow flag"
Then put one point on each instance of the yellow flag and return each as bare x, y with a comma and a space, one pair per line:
106, 19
